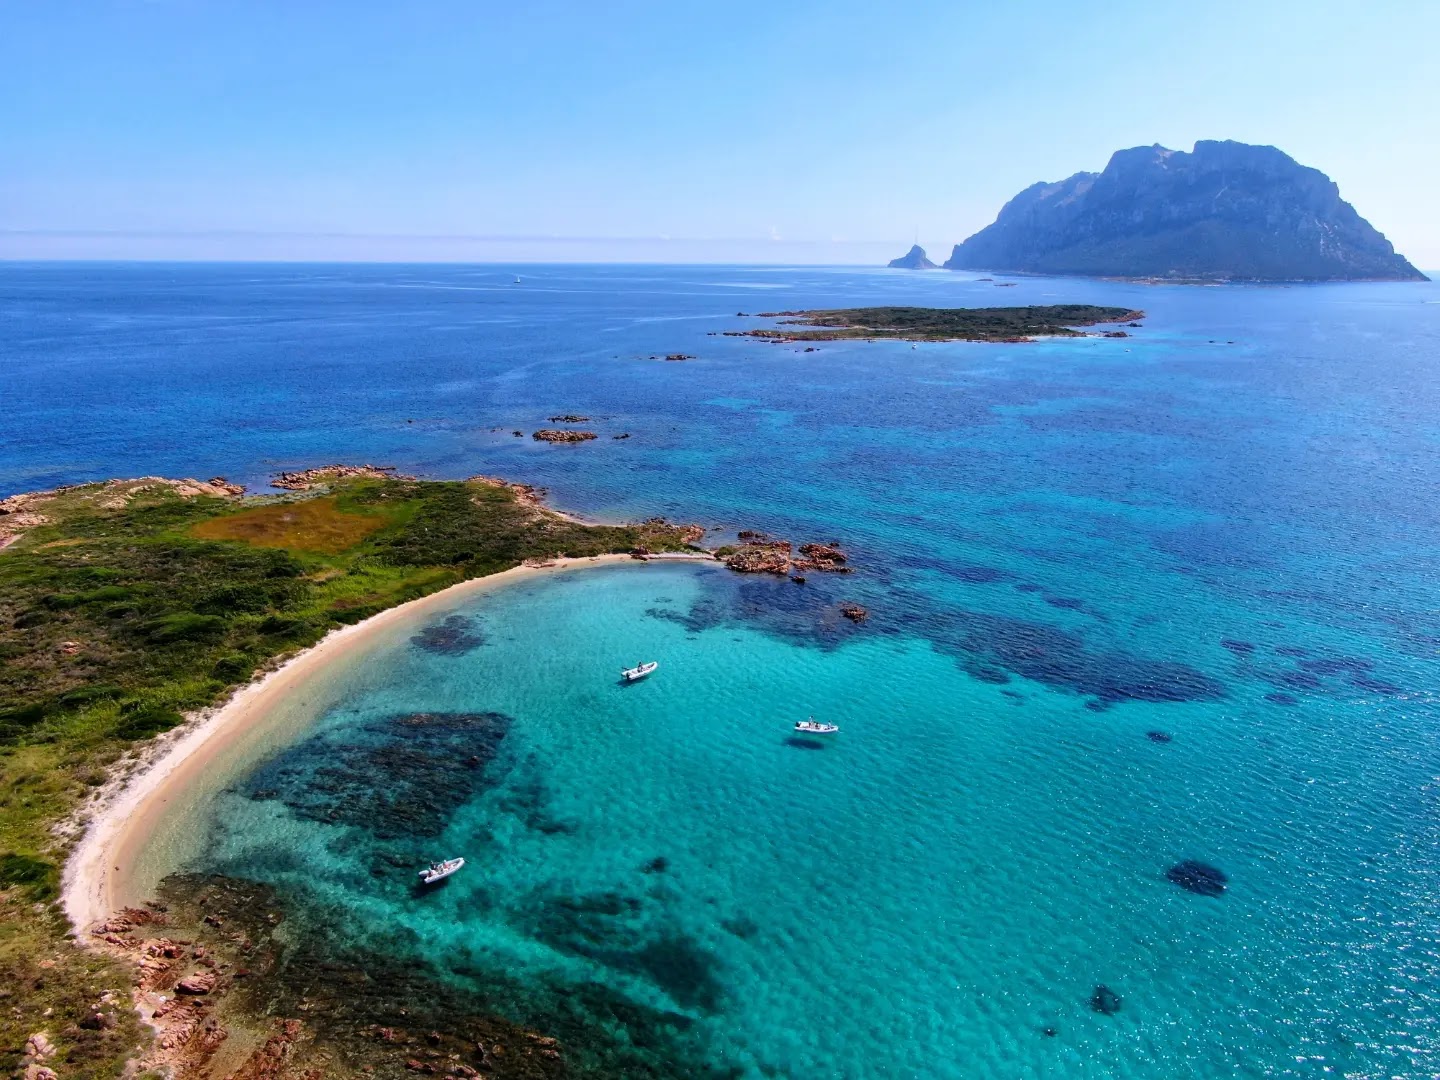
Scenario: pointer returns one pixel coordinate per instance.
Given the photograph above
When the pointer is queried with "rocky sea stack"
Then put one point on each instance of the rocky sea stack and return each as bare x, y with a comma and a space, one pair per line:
1226, 211
914, 259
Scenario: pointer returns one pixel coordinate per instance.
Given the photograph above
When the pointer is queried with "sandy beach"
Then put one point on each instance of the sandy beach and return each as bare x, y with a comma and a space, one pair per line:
98, 879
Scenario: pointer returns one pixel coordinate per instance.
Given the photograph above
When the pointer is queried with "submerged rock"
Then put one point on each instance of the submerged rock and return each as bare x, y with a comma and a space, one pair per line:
1104, 1000
453, 636
401, 775
1198, 877
1159, 736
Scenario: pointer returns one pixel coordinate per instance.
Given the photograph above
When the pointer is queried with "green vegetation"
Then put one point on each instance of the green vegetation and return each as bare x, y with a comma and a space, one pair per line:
944, 324
122, 613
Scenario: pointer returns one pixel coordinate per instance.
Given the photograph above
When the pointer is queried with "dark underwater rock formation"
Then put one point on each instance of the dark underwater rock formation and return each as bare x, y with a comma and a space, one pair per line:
453, 636
1104, 1000
1159, 736
1061, 658
1227, 210
403, 776
914, 259
1198, 877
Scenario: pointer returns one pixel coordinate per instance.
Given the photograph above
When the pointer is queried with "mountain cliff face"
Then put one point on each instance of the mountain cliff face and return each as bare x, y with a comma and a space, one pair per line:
914, 259
1226, 210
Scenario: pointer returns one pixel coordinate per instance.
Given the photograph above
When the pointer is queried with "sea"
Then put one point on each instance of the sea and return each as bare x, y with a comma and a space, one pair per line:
1138, 768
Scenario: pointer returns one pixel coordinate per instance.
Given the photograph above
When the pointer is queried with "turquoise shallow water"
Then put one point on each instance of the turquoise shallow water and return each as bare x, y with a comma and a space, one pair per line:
1223, 529
946, 878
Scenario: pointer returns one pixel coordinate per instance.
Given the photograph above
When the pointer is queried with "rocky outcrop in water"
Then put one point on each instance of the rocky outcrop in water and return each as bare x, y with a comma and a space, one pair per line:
762, 554
1227, 210
914, 259
558, 435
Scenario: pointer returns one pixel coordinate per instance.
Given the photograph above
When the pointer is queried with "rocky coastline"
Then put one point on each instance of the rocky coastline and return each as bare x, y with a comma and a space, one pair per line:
306, 479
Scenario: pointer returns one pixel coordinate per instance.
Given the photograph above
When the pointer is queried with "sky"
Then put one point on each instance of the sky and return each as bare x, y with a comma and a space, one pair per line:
792, 131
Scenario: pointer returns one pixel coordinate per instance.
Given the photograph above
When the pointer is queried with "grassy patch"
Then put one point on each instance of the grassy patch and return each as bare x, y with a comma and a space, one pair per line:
309, 525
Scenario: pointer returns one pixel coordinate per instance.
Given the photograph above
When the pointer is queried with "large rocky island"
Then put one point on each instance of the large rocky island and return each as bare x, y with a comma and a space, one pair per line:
1226, 211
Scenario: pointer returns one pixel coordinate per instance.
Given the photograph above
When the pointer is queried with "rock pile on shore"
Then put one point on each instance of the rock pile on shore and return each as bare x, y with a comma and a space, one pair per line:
305, 479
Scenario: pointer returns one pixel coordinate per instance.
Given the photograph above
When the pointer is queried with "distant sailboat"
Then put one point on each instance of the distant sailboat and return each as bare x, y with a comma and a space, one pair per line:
517, 279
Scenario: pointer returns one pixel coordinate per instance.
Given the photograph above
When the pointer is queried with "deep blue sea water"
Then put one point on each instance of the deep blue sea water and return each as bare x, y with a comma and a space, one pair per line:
1224, 528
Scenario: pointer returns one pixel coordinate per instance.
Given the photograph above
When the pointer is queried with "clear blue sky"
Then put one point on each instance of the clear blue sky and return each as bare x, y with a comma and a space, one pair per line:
792, 130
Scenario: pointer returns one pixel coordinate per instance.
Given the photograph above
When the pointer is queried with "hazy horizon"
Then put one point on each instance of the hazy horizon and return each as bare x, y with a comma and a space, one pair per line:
818, 134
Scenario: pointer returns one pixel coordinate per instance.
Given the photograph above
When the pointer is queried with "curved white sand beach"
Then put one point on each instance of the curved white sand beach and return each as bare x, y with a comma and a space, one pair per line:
99, 875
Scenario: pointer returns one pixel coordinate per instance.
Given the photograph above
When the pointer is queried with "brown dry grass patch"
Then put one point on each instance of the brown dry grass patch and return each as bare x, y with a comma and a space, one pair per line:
311, 525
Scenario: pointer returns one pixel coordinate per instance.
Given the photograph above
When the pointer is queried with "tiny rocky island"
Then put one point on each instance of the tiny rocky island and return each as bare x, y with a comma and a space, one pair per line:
996, 324
914, 259
1225, 211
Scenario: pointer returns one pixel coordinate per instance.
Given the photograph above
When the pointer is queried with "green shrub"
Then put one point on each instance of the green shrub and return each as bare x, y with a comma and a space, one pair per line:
231, 599
184, 626
107, 594
38, 878
280, 625
235, 667
145, 722
84, 695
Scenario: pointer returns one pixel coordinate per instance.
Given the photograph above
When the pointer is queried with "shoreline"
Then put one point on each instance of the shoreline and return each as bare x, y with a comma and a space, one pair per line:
95, 883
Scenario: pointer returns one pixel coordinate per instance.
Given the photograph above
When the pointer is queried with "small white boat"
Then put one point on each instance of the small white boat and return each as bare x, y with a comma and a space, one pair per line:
440, 871
814, 727
631, 674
